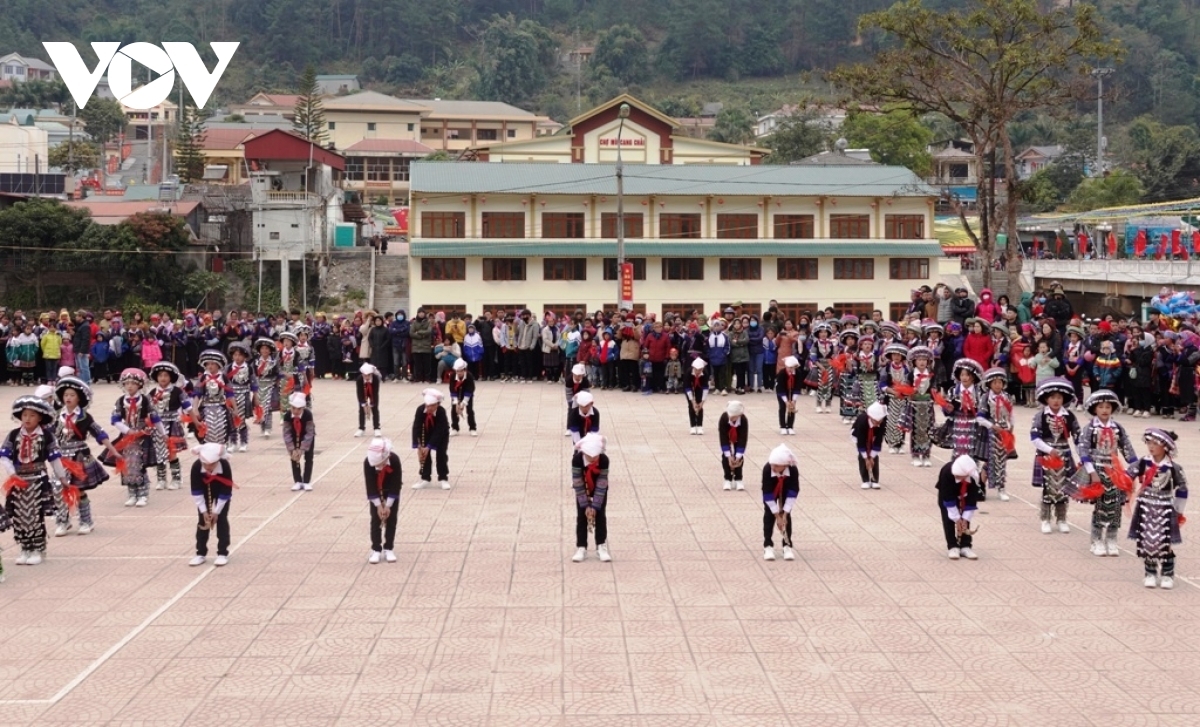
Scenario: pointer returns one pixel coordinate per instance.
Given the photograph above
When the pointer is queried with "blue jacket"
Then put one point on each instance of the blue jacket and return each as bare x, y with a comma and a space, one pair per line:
756, 339
718, 355
399, 330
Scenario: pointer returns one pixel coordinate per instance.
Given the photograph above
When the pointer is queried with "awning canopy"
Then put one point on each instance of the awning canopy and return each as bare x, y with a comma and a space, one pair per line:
216, 171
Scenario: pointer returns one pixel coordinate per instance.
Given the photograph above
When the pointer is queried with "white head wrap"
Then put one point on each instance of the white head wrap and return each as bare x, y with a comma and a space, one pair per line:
432, 396
378, 451
460, 365
964, 466
366, 369
791, 362
584, 398
699, 364
298, 400
877, 411
45, 391
735, 408
592, 445
65, 371
210, 452
579, 370
781, 455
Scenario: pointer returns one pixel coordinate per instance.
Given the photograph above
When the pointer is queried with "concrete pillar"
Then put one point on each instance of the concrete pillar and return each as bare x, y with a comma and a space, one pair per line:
284, 282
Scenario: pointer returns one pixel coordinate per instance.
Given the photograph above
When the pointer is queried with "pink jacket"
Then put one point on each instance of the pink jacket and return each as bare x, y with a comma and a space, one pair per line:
987, 308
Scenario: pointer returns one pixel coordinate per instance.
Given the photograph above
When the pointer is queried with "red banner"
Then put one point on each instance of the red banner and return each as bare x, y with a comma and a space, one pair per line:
626, 282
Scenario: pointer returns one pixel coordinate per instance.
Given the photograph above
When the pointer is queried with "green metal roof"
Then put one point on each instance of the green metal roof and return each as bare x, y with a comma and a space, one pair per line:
668, 248
665, 179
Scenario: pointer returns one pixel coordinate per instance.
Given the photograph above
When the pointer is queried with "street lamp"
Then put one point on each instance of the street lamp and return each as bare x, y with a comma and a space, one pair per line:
1100, 73
622, 114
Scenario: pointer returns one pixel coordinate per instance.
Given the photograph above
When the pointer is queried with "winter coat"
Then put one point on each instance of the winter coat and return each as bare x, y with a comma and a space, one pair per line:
979, 348
420, 330
658, 346
961, 309
739, 346
380, 341
399, 330
987, 308
755, 336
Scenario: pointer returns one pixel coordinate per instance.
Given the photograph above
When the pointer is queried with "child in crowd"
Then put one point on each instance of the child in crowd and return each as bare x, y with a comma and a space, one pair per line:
770, 358
1043, 362
299, 437
674, 372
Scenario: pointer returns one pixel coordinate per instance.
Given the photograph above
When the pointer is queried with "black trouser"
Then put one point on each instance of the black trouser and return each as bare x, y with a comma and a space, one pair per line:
222, 533
488, 364
1139, 399
362, 416
695, 417
1168, 566
443, 465
658, 373
308, 464
1077, 383
422, 367
531, 364
769, 528
873, 474
768, 376
470, 415
581, 526
628, 369
786, 420
948, 529
729, 472
385, 540
608, 374
740, 370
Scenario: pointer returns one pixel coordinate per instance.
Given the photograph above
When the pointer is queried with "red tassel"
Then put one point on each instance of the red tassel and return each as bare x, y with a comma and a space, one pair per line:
839, 363
122, 466
1121, 479
903, 390
201, 430
1008, 440
175, 445
185, 419
124, 442
1052, 461
258, 413
1090, 492
238, 421
1182, 520
12, 482
308, 388
940, 400
288, 386
71, 496
73, 468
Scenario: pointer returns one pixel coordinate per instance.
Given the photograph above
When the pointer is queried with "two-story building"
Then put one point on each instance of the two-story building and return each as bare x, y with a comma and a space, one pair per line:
371, 115
267, 104
459, 125
17, 68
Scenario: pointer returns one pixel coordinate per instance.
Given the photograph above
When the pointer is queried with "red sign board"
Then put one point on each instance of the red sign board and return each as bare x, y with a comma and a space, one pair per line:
627, 282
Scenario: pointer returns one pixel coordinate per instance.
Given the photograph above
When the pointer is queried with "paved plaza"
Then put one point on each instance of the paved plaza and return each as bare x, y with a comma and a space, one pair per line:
486, 621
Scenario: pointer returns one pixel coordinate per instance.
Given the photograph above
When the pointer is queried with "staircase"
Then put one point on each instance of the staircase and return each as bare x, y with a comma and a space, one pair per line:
391, 281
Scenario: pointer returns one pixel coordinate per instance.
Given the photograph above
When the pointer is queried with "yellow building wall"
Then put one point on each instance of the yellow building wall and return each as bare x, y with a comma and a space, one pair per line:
350, 127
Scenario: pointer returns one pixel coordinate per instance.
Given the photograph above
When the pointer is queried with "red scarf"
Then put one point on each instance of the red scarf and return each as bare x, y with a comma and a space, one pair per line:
968, 401
733, 435
458, 383
696, 381
870, 436
587, 423
963, 484
1149, 475
368, 388
380, 476
234, 370
791, 386
69, 420
429, 417
209, 479
589, 476
779, 486
132, 408
1107, 439
26, 451
262, 366
298, 427
575, 386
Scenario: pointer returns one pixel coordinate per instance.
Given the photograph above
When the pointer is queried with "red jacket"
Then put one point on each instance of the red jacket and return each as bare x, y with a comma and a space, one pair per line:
658, 346
979, 348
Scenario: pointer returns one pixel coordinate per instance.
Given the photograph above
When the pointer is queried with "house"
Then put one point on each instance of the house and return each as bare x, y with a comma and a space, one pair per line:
24, 147
830, 117
371, 115
115, 210
267, 104
842, 157
704, 225
17, 68
380, 167
224, 154
334, 85
139, 122
460, 125
647, 136
1035, 158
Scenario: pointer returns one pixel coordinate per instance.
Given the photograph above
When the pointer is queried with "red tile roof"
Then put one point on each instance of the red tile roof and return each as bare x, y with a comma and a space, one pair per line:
223, 139
107, 212
397, 146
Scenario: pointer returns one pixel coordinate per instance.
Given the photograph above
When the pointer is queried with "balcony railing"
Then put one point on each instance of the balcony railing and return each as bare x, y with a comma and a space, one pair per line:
300, 197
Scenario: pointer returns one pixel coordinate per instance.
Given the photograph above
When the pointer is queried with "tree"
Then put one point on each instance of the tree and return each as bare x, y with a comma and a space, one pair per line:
1114, 189
515, 59
896, 138
797, 135
104, 118
74, 156
189, 159
733, 126
982, 67
309, 120
622, 50
1166, 159
36, 230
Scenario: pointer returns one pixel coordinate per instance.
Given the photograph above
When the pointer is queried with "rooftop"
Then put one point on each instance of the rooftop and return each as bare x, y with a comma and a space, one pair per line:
682, 180
395, 146
471, 109
114, 210
221, 139
370, 100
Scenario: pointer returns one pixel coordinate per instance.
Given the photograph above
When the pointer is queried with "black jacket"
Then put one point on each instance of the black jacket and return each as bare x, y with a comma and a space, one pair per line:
435, 434
360, 390
464, 389
584, 426
860, 430
391, 481
791, 482
743, 434
949, 489
961, 309
1060, 310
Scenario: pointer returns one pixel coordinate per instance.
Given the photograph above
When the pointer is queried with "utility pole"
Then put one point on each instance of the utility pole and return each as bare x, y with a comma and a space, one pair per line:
623, 113
1100, 73
71, 139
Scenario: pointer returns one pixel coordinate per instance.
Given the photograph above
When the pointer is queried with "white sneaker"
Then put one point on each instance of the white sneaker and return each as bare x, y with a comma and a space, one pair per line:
1098, 549
1111, 549
474, 433
692, 431
141, 502
379, 432
131, 501
1046, 527
307, 486
23, 558
602, 553
421, 484
297, 486
866, 485
221, 560
567, 433
242, 448
874, 485
374, 557
445, 484
62, 530
926, 463
783, 430
969, 554
196, 560
265, 434
953, 554
1004, 495
699, 430
788, 553
580, 555
1151, 582
389, 556
791, 431
173, 486
728, 485
85, 528
1063, 527
358, 432
768, 554
454, 432
160, 486
34, 558
739, 486
1167, 583
916, 462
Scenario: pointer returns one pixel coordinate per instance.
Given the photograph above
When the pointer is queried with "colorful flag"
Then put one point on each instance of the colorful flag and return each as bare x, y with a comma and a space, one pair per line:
1163, 241
1112, 244
1139, 244
1176, 239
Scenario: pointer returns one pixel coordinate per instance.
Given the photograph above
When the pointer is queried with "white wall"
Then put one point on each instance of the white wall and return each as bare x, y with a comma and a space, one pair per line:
20, 146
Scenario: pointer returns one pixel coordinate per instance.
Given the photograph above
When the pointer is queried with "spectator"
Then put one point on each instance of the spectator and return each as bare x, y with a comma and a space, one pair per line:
961, 307
1058, 307
987, 308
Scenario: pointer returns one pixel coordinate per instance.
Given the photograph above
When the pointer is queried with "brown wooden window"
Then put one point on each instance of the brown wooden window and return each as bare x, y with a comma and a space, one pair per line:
611, 309
896, 311
862, 310
793, 311
504, 268
679, 225
682, 309
563, 310
849, 227
908, 268
562, 225
633, 225
639, 268
443, 268
683, 268
797, 268
794, 227
904, 227
564, 268
443, 224
853, 268
448, 308
500, 310
744, 309
741, 268
504, 224
737, 227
